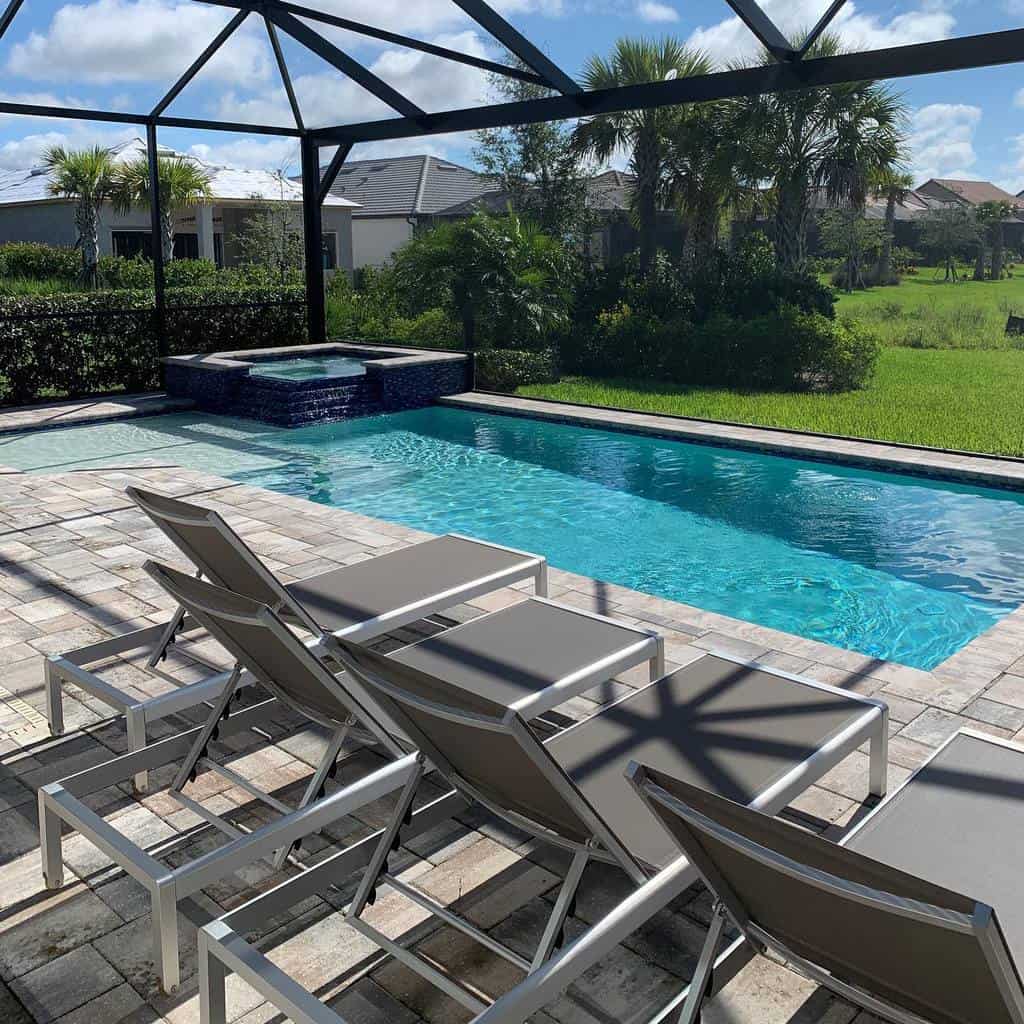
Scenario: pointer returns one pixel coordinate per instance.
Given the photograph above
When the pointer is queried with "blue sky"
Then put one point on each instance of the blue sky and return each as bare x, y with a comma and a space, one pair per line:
124, 54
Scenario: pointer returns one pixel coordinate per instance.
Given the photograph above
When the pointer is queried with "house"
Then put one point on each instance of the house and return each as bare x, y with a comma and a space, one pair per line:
397, 194
967, 193
613, 233
29, 213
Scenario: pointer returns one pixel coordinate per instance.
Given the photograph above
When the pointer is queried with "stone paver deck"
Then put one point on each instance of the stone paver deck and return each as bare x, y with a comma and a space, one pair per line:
71, 547
88, 410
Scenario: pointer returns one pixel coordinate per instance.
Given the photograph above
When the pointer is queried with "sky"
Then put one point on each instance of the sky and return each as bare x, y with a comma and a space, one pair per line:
125, 54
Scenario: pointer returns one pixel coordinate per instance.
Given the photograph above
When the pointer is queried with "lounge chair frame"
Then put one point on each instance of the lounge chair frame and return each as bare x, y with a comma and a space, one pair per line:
981, 923
72, 667
223, 946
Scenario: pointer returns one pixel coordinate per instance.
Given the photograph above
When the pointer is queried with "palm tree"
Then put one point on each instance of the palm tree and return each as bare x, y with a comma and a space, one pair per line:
991, 216
833, 138
86, 175
644, 133
704, 174
892, 185
183, 183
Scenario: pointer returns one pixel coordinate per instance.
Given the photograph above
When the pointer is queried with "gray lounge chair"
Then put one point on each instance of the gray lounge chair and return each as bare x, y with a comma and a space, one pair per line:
883, 918
363, 601
753, 733
571, 650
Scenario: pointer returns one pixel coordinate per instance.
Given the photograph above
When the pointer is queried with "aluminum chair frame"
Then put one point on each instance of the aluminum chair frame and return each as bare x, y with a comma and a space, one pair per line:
981, 923
72, 667
224, 948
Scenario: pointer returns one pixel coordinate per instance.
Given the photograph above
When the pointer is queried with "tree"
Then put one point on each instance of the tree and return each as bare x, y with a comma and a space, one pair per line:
991, 215
704, 170
86, 175
504, 269
834, 139
947, 230
183, 183
534, 164
892, 185
644, 133
846, 232
270, 242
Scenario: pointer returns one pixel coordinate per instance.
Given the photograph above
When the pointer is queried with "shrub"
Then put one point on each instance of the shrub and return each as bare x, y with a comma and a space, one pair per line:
34, 259
505, 369
786, 351
81, 344
137, 273
431, 327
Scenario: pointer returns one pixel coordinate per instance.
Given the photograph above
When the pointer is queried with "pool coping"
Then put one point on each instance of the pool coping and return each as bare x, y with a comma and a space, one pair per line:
21, 419
957, 467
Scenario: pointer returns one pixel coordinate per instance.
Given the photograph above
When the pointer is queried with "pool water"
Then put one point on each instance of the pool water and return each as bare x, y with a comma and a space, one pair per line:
309, 368
897, 567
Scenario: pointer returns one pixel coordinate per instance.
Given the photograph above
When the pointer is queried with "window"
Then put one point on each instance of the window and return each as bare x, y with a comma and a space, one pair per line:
186, 246
330, 242
132, 243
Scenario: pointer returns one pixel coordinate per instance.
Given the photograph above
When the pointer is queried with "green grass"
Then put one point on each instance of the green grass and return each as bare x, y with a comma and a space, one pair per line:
970, 400
924, 311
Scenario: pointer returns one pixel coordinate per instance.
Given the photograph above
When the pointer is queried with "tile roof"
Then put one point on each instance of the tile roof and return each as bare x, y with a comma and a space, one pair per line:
972, 192
31, 185
404, 186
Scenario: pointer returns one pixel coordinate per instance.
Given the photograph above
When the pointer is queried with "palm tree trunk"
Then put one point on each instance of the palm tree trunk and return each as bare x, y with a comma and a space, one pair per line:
647, 165
168, 240
791, 225
883, 271
997, 250
979, 261
87, 222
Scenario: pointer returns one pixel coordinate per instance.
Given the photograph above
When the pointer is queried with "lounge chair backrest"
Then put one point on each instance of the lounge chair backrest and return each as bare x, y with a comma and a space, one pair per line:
259, 640
482, 748
919, 948
214, 548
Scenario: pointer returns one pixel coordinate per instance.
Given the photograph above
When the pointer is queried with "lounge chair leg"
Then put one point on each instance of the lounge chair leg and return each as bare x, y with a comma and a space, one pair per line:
167, 636
540, 581
366, 893
705, 965
165, 935
54, 698
199, 747
212, 978
658, 661
50, 845
880, 758
556, 922
135, 724
317, 782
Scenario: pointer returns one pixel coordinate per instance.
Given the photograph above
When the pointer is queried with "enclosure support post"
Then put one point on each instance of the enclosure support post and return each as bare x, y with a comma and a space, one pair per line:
313, 234
157, 232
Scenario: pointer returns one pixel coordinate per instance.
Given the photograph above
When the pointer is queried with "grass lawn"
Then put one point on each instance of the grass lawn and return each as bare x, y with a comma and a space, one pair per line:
971, 400
927, 312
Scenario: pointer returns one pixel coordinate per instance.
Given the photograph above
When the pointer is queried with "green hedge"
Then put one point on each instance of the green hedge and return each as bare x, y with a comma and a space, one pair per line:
505, 369
70, 345
36, 260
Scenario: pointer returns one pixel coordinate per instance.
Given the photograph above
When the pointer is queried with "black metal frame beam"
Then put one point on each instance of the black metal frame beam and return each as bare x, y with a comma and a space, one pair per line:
766, 31
323, 48
978, 51
282, 67
823, 23
313, 241
358, 28
515, 42
330, 174
157, 242
199, 63
9, 14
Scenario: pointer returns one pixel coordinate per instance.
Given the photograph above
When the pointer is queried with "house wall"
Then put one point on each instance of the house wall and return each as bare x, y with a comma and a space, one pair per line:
375, 239
52, 223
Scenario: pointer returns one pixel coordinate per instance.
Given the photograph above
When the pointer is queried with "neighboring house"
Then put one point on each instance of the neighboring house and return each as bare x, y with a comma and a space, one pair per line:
396, 195
29, 213
612, 235
967, 193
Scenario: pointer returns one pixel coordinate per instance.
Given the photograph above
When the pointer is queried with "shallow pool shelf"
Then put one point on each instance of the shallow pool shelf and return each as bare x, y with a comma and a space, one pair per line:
316, 383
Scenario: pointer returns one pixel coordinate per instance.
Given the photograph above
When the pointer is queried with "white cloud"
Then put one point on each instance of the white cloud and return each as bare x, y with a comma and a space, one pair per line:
264, 154
941, 141
657, 13
1012, 178
111, 41
730, 40
327, 97
19, 154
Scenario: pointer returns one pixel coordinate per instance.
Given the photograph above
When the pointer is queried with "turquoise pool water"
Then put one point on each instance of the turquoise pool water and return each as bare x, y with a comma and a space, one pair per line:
897, 567
310, 368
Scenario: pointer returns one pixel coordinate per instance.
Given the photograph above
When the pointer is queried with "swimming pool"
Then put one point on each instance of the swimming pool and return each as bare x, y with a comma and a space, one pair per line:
897, 567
